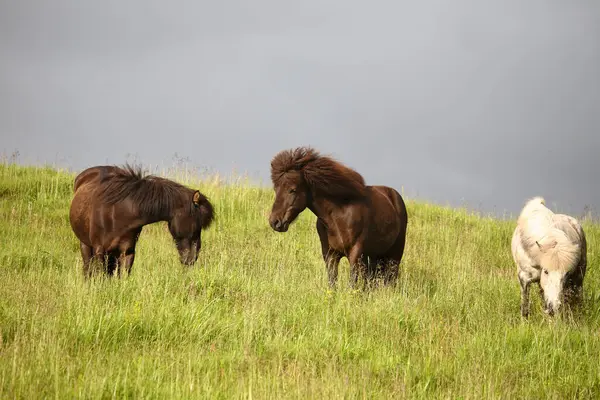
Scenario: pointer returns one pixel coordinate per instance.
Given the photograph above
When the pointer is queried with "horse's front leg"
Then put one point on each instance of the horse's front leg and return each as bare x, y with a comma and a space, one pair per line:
127, 251
332, 262
358, 266
126, 260
525, 281
100, 258
330, 256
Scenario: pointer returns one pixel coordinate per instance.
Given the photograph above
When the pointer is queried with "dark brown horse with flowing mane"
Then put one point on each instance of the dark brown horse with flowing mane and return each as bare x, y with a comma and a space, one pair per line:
366, 224
111, 206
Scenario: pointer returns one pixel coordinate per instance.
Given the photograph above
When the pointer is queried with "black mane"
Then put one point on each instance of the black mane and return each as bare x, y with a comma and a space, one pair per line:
152, 195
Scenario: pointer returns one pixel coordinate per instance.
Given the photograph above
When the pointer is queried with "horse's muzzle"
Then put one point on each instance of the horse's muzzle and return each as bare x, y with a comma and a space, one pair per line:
552, 309
188, 258
188, 261
279, 225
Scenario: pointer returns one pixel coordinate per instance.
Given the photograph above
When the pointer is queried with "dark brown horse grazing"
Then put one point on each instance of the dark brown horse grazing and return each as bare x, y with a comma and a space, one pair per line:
112, 204
366, 224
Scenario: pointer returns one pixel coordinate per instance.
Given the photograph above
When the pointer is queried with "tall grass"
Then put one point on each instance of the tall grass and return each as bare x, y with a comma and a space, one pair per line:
254, 318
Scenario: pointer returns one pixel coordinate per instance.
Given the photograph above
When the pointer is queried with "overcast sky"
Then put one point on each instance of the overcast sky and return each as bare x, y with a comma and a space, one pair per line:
485, 103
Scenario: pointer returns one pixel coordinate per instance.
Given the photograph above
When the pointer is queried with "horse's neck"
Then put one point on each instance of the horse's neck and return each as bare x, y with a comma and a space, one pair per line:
158, 214
324, 209
148, 219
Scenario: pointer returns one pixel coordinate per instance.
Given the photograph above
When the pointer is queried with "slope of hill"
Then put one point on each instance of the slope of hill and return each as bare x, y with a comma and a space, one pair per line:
254, 317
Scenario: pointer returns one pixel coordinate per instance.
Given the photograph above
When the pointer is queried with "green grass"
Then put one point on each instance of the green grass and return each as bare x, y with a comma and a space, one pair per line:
254, 318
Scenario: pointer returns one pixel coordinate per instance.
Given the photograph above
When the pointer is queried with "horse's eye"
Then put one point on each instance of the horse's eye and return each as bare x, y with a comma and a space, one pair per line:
292, 191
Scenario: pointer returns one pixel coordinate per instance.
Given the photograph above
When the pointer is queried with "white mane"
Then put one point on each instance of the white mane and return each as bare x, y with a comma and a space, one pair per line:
553, 241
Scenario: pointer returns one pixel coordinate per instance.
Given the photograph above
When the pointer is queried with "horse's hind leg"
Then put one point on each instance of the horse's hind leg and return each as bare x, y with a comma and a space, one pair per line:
391, 265
372, 263
373, 271
390, 272
86, 255
111, 264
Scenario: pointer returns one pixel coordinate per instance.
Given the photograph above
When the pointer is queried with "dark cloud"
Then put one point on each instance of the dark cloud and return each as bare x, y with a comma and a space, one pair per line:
465, 102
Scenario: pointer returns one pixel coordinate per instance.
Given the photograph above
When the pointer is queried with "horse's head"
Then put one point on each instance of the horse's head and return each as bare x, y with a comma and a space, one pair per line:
187, 224
291, 198
552, 286
555, 275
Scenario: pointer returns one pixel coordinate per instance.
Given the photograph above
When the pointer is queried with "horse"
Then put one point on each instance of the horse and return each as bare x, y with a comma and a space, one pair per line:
549, 249
111, 205
365, 224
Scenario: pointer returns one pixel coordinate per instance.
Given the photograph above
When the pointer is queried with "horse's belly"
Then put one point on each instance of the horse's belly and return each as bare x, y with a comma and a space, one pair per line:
376, 243
383, 241
378, 246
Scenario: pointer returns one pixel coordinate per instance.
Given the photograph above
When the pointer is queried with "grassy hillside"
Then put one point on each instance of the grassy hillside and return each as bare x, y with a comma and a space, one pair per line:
254, 317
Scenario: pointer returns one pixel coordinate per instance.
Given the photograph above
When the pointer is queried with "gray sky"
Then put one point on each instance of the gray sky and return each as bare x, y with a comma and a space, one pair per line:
485, 103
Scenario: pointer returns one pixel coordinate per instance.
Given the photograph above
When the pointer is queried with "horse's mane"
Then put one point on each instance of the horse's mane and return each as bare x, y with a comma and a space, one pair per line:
554, 240
324, 174
152, 194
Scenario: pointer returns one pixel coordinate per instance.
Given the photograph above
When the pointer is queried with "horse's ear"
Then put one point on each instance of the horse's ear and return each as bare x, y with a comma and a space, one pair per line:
205, 209
196, 199
546, 245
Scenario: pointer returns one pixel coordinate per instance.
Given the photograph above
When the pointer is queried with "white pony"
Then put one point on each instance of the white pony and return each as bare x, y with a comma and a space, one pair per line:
549, 249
